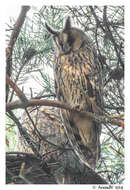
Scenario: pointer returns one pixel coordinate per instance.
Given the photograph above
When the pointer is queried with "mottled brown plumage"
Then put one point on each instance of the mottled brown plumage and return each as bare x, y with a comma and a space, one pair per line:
78, 83
48, 122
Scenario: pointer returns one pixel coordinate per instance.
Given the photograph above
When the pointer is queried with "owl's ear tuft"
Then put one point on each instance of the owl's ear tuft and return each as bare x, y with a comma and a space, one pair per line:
51, 30
67, 23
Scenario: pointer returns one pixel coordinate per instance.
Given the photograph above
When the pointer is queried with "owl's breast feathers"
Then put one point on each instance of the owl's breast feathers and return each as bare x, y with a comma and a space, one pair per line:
78, 84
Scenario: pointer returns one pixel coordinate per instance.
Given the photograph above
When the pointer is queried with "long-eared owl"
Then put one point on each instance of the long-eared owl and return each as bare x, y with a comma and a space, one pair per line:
78, 82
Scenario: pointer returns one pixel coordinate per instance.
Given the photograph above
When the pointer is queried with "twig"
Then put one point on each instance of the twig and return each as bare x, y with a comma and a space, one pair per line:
110, 35
45, 96
23, 153
30, 53
115, 137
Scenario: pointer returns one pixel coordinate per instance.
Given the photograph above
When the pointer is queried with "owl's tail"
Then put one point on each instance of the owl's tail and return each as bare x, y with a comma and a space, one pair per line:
84, 137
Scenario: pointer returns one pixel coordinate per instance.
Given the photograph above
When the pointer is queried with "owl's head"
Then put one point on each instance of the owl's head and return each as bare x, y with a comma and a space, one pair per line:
69, 39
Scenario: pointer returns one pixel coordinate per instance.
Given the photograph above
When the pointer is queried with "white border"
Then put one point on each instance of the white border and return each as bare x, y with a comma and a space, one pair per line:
5, 6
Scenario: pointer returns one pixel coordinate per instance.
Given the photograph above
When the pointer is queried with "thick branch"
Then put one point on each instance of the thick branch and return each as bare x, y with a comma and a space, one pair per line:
34, 102
53, 103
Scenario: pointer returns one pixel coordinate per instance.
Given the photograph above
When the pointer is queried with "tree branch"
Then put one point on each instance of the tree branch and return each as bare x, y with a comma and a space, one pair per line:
16, 89
14, 36
34, 102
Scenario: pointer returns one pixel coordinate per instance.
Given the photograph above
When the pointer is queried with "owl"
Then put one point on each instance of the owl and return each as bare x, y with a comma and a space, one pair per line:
48, 122
78, 82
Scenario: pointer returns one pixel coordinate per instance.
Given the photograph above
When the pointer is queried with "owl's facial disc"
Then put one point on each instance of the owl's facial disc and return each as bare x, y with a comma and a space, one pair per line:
62, 43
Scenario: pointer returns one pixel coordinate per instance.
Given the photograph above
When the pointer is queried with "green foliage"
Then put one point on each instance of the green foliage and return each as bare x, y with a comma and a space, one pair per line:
11, 135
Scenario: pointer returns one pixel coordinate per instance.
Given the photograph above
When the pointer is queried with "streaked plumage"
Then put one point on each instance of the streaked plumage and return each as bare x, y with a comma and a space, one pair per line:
78, 82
